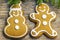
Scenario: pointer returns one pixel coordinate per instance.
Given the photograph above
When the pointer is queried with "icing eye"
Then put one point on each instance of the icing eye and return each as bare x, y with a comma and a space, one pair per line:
39, 7
13, 12
44, 6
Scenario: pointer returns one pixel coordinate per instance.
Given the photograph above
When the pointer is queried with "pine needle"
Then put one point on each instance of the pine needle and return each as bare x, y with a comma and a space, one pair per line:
39, 1
13, 2
53, 2
58, 3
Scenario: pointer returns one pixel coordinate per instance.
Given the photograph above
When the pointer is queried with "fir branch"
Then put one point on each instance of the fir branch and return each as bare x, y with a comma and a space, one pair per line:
39, 1
58, 3
53, 2
13, 2
46, 0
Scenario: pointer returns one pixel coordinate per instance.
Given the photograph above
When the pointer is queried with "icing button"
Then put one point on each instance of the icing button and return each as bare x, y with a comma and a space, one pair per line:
44, 23
44, 16
16, 21
16, 27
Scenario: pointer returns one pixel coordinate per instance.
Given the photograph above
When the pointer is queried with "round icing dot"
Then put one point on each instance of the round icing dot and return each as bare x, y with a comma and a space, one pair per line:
44, 23
44, 16
44, 6
16, 21
39, 7
16, 27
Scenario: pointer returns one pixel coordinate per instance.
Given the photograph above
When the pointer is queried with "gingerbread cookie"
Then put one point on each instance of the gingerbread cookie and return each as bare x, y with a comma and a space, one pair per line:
16, 27
43, 20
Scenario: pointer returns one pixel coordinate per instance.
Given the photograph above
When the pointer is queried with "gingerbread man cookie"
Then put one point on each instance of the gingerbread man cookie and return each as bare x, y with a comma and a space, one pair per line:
16, 27
43, 20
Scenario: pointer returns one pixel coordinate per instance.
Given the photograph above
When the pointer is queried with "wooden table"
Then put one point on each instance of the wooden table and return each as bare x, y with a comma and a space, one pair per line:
28, 8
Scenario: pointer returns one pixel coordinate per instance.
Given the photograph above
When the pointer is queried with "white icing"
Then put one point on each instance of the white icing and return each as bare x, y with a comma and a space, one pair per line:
39, 7
13, 12
16, 21
43, 10
44, 22
44, 16
16, 27
44, 6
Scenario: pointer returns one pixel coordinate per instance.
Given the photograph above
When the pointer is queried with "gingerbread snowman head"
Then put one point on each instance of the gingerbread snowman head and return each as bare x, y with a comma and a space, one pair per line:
15, 9
42, 8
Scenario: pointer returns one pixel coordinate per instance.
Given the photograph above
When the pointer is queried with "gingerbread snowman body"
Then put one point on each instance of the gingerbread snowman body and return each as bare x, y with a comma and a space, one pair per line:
16, 27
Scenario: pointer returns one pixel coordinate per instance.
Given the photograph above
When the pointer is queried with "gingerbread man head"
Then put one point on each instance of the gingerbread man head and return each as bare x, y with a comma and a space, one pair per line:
42, 8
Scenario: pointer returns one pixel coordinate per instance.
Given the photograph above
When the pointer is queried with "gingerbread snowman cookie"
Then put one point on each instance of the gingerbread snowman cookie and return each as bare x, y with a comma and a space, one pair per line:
16, 27
43, 20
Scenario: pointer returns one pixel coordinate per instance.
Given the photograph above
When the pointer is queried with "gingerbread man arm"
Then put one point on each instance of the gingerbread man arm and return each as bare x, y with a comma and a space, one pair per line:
53, 14
34, 16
